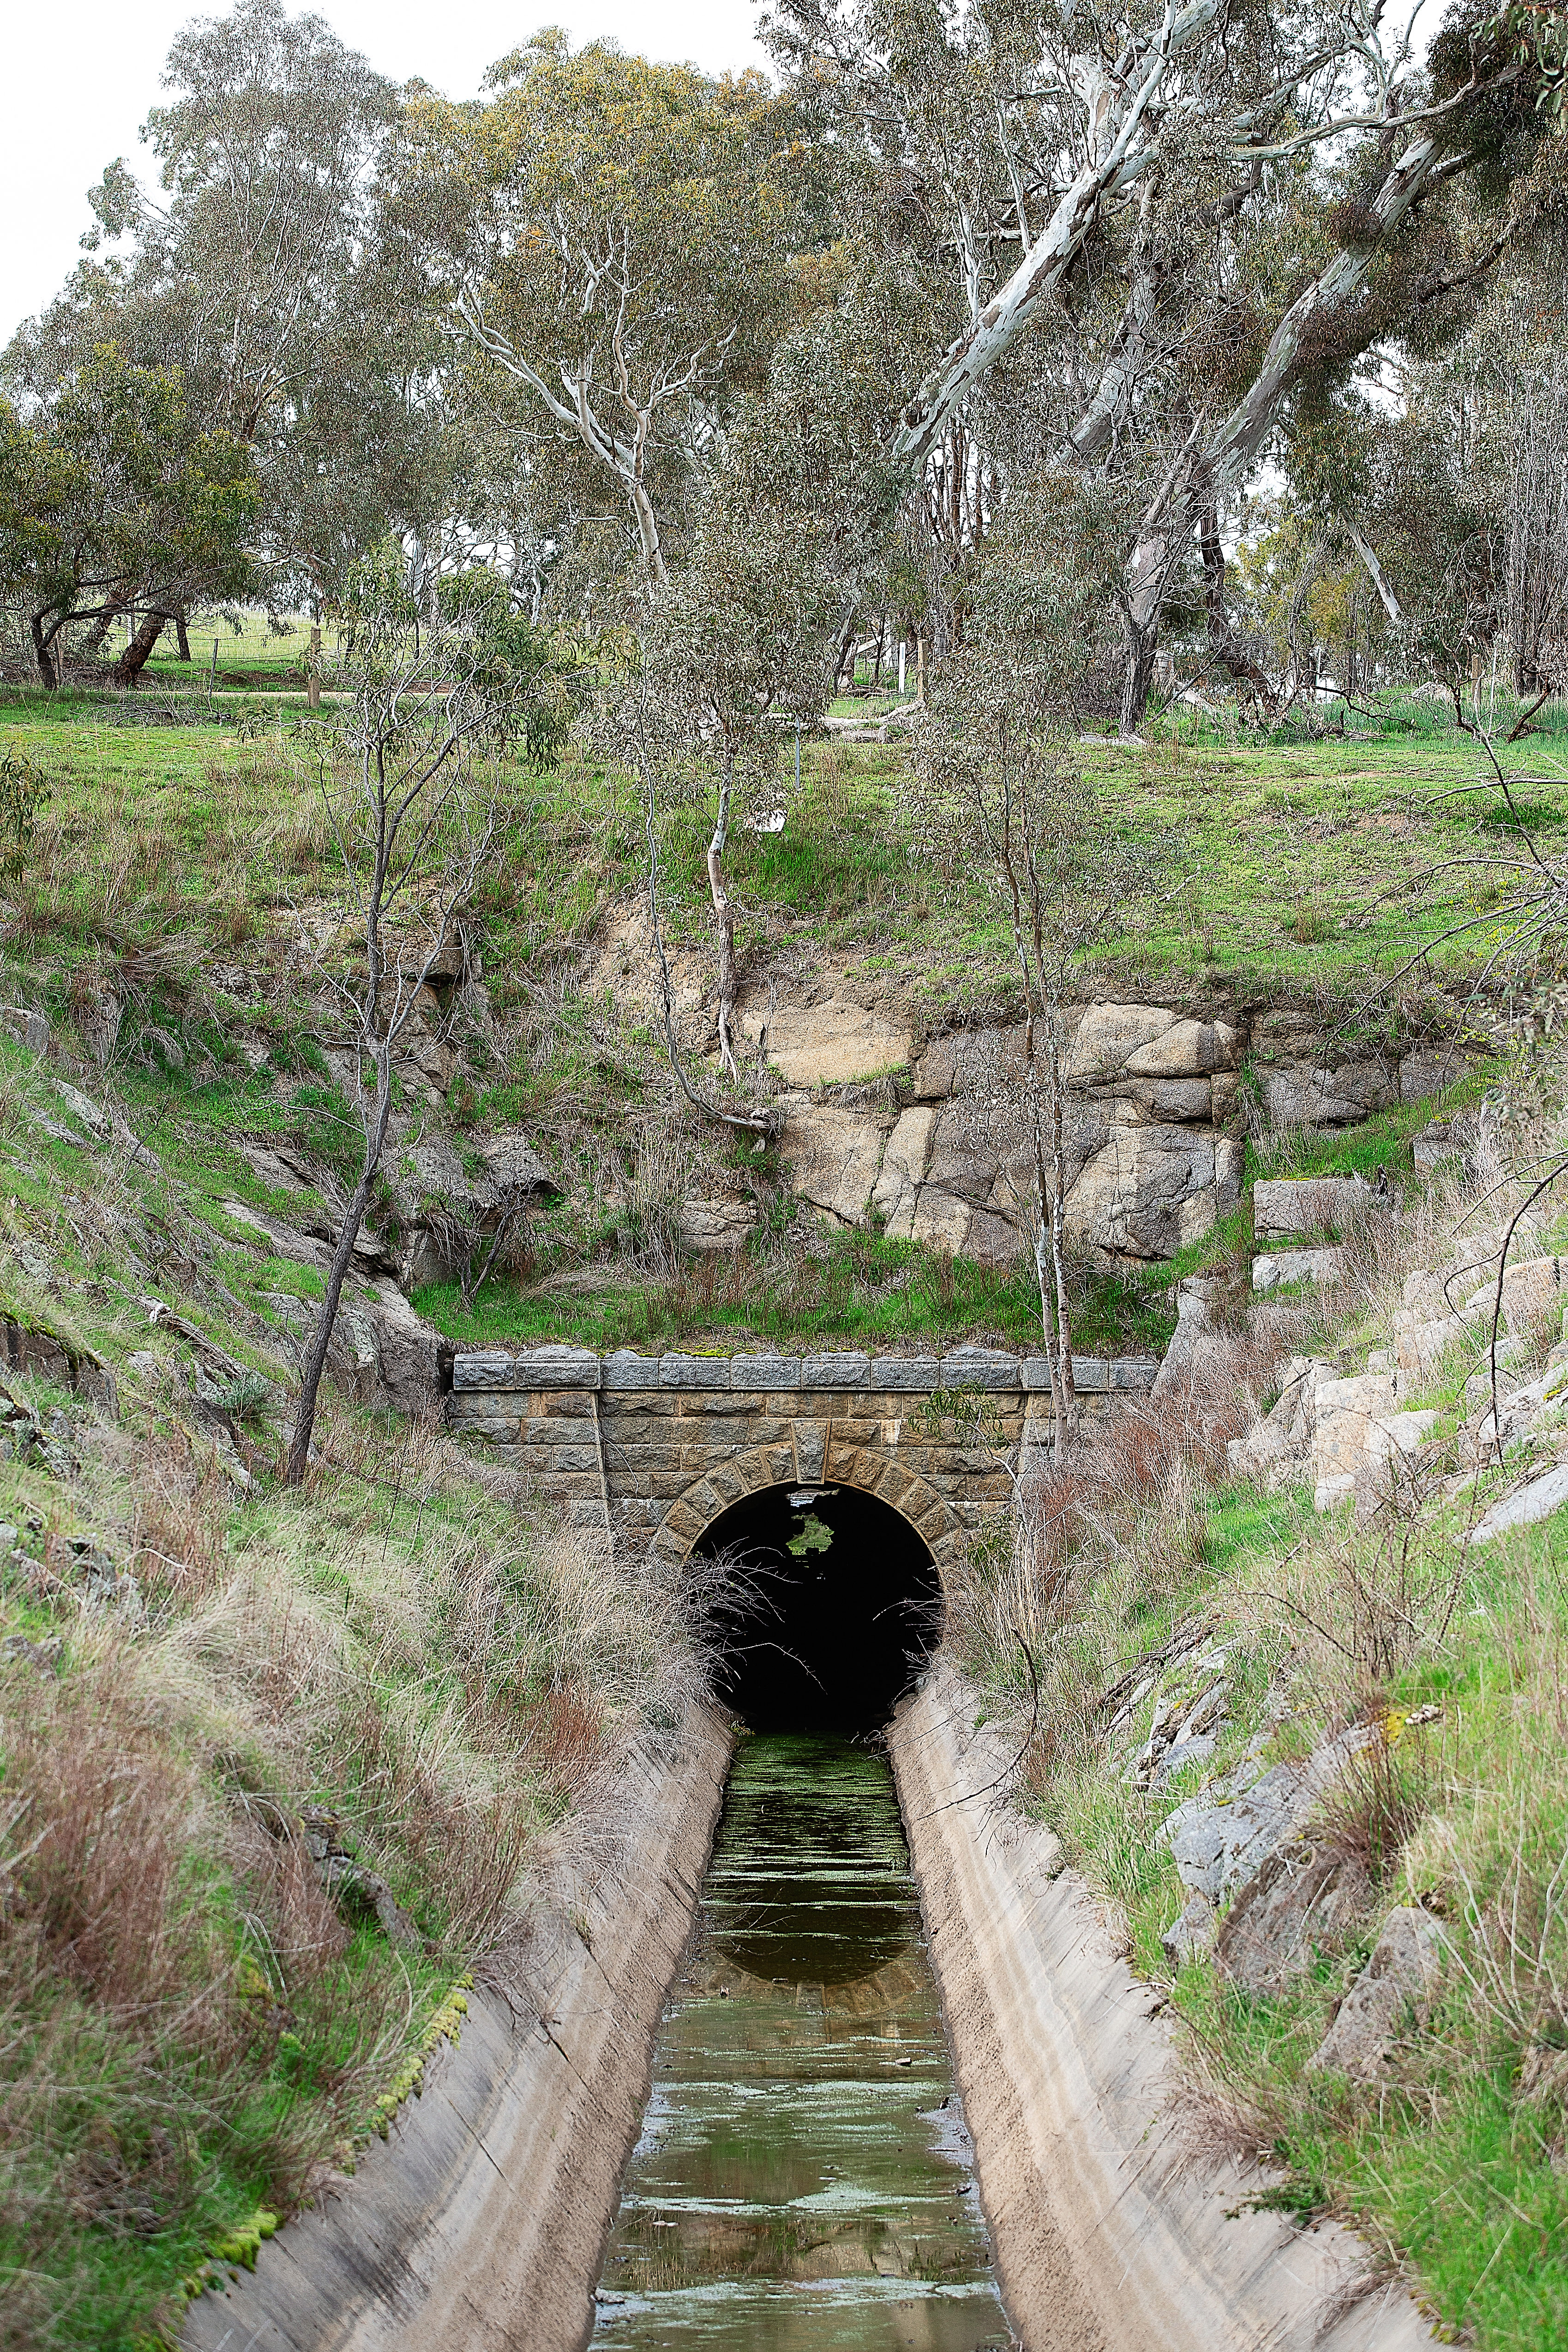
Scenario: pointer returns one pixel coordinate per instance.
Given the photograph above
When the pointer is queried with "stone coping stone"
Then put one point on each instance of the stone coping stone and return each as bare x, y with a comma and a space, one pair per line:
765, 1374
516, 1369
921, 1374
846, 1369
531, 1368
678, 1371
980, 1368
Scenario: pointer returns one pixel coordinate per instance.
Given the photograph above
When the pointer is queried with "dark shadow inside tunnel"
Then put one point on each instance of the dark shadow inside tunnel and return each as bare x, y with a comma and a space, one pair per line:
830, 1604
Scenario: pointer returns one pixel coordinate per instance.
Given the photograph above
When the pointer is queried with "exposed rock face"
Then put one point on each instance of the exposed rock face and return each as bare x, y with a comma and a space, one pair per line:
1150, 1164
719, 1227
444, 1210
834, 1157
1147, 1169
1303, 1897
1393, 1993
828, 1044
1152, 1126
1221, 1839
1295, 1207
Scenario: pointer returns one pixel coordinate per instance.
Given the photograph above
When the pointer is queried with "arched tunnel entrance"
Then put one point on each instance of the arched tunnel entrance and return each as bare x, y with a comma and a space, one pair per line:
832, 1605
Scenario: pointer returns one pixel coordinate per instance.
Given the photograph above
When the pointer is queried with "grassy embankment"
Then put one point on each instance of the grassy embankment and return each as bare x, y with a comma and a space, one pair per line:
186, 866
192, 2032
1453, 2164
199, 1673
210, 1687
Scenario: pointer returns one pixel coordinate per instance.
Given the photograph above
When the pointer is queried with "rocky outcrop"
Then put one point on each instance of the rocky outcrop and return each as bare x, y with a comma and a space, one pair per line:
1393, 1992
1152, 1147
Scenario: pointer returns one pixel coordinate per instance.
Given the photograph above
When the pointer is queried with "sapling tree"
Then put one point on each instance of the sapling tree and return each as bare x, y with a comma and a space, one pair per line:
1002, 795
436, 687
734, 647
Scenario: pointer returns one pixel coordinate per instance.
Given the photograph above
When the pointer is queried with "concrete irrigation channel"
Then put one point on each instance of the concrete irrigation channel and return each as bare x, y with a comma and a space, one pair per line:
863, 2071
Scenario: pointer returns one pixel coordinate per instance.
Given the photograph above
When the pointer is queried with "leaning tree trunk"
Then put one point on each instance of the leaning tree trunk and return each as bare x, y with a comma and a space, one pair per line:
133, 660
298, 1456
1069, 1418
1141, 638
44, 654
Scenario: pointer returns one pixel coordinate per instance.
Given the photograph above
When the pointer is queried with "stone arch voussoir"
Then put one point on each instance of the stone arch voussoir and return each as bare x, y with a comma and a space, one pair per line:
913, 1498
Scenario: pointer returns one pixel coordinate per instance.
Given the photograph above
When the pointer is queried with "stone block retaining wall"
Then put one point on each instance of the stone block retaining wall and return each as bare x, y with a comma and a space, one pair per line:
654, 1447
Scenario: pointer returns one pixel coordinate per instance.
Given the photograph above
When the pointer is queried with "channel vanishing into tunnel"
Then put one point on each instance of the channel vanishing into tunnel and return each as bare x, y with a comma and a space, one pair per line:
832, 1604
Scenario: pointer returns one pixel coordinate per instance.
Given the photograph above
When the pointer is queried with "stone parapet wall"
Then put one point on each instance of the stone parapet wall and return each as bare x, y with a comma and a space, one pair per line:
653, 1448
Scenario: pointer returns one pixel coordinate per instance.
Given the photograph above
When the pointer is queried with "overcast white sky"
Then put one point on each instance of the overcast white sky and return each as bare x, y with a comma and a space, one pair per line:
82, 85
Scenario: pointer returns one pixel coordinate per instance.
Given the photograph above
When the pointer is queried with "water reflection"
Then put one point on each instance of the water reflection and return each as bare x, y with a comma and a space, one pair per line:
803, 2178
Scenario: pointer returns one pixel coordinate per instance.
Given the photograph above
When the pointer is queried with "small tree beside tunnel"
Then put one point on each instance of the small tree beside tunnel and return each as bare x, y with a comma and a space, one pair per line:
438, 686
1001, 794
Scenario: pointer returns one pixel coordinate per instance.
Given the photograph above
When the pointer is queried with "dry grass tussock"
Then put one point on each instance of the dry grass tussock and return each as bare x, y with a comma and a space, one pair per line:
196, 2015
1114, 1535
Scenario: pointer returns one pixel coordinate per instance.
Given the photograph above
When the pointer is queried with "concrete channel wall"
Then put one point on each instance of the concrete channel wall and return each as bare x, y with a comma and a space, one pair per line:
1109, 2236
481, 2224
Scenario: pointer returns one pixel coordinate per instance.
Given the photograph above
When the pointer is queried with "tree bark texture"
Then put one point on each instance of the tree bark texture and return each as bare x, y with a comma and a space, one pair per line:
133, 660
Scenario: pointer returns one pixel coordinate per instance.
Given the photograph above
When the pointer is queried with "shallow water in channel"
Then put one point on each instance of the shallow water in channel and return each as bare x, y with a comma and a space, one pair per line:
803, 2178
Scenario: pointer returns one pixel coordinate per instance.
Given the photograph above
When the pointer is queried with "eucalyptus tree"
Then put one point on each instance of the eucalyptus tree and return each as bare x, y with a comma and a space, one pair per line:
260, 265
617, 237
111, 494
1179, 219
732, 653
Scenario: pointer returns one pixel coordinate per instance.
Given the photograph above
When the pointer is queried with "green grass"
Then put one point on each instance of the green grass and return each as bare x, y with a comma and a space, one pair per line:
857, 1289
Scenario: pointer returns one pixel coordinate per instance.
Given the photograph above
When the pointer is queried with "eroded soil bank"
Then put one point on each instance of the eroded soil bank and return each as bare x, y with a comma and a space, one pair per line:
804, 2179
1109, 2235
481, 2224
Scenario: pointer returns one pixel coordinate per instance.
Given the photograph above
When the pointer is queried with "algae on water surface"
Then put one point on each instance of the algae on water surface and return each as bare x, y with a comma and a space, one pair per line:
804, 2177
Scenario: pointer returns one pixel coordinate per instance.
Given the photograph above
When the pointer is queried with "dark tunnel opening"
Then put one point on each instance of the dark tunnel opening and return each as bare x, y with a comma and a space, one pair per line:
832, 1604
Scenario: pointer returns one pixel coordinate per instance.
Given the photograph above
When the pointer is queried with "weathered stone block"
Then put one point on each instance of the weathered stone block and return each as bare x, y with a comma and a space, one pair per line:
905, 1373
626, 1370
488, 1368
530, 1368
980, 1368
678, 1371
1090, 1374
846, 1370
1133, 1372
810, 1443
706, 1440
494, 1428
772, 1373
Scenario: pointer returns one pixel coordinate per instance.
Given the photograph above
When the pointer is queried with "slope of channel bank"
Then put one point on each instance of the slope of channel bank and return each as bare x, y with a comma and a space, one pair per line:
482, 2223
1109, 2236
